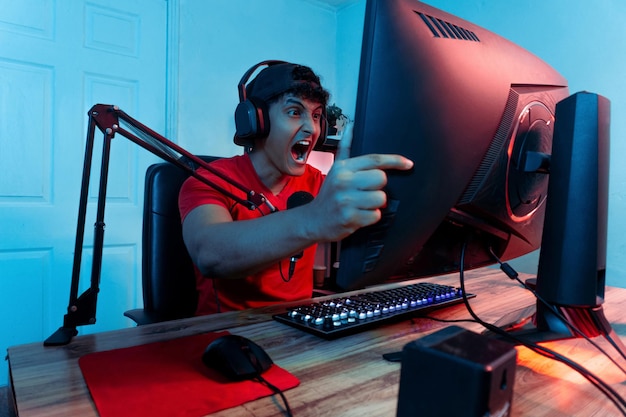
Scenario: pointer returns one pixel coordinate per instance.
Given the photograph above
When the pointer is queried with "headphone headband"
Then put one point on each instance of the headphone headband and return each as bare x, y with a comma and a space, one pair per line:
244, 80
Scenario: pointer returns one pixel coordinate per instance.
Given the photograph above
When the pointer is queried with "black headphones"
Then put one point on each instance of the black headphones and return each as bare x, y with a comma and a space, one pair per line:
251, 115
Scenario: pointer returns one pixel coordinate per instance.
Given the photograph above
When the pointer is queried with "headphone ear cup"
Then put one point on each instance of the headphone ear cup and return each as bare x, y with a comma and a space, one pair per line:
251, 121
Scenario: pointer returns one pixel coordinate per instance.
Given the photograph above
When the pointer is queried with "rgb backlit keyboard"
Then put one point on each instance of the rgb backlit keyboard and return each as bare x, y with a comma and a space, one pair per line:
345, 315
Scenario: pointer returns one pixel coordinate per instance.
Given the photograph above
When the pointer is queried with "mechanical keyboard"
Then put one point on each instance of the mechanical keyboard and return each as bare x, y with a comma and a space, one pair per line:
350, 314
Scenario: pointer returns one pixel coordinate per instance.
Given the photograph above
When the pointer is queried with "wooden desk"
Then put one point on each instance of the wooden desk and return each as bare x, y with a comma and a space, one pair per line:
344, 377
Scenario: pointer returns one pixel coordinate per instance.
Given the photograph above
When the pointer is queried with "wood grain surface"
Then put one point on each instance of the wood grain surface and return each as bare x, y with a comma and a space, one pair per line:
346, 376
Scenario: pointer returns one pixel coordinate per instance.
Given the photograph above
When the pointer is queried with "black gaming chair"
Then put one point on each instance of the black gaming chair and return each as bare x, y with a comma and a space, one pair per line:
169, 287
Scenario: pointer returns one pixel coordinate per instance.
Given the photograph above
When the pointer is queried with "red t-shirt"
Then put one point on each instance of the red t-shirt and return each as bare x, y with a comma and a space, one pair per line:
266, 287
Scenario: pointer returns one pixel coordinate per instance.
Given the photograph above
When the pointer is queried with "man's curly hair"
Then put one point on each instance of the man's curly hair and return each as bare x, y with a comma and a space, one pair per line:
306, 85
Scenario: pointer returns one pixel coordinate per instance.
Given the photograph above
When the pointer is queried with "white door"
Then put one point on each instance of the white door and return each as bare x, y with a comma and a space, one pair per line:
58, 59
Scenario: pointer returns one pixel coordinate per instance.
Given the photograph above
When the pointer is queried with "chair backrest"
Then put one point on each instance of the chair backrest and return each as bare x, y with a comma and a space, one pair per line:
169, 287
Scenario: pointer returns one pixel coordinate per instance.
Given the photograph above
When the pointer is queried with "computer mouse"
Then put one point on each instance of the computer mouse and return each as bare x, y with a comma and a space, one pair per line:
236, 357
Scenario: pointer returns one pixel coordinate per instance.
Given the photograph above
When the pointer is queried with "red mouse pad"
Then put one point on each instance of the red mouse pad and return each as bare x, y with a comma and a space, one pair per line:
169, 379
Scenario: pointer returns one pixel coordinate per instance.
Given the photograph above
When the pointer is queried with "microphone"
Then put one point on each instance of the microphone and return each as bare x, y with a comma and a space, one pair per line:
299, 198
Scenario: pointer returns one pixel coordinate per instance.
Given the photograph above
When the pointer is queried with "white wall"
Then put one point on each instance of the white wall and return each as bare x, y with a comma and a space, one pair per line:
220, 41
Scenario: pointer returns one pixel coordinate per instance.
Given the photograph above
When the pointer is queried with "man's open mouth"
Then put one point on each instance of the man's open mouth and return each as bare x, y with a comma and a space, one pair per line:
300, 150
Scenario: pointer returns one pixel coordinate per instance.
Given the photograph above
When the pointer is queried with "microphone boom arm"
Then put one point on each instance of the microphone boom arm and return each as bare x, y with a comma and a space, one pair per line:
110, 120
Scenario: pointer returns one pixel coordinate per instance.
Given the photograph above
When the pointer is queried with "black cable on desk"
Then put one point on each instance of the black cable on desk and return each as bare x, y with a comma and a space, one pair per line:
511, 273
605, 388
278, 391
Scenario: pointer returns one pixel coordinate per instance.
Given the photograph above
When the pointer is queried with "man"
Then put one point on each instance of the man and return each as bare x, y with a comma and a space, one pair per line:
242, 256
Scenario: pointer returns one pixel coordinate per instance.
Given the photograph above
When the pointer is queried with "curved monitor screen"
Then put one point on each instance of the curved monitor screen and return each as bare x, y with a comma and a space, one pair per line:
475, 113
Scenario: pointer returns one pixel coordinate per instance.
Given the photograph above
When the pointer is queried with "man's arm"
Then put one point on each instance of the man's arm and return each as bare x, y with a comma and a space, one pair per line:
223, 248
350, 198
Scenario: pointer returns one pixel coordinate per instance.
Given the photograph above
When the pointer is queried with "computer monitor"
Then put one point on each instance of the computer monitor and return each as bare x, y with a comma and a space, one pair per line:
475, 113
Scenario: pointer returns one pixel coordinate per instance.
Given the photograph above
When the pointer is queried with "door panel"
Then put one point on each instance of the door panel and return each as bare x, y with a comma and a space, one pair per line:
58, 59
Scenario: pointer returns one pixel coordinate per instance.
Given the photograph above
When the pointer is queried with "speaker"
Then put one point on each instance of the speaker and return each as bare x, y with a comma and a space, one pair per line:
455, 372
572, 260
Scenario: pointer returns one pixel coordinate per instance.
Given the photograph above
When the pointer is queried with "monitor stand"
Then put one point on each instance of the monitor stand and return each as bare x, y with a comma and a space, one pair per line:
591, 321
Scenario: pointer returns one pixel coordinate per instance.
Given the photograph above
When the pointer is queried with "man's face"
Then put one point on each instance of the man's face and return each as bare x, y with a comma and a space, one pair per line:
295, 126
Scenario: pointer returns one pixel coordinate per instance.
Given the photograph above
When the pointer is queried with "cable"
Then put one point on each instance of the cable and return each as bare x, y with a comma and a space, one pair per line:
218, 305
447, 320
278, 391
511, 273
259, 378
282, 275
602, 386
